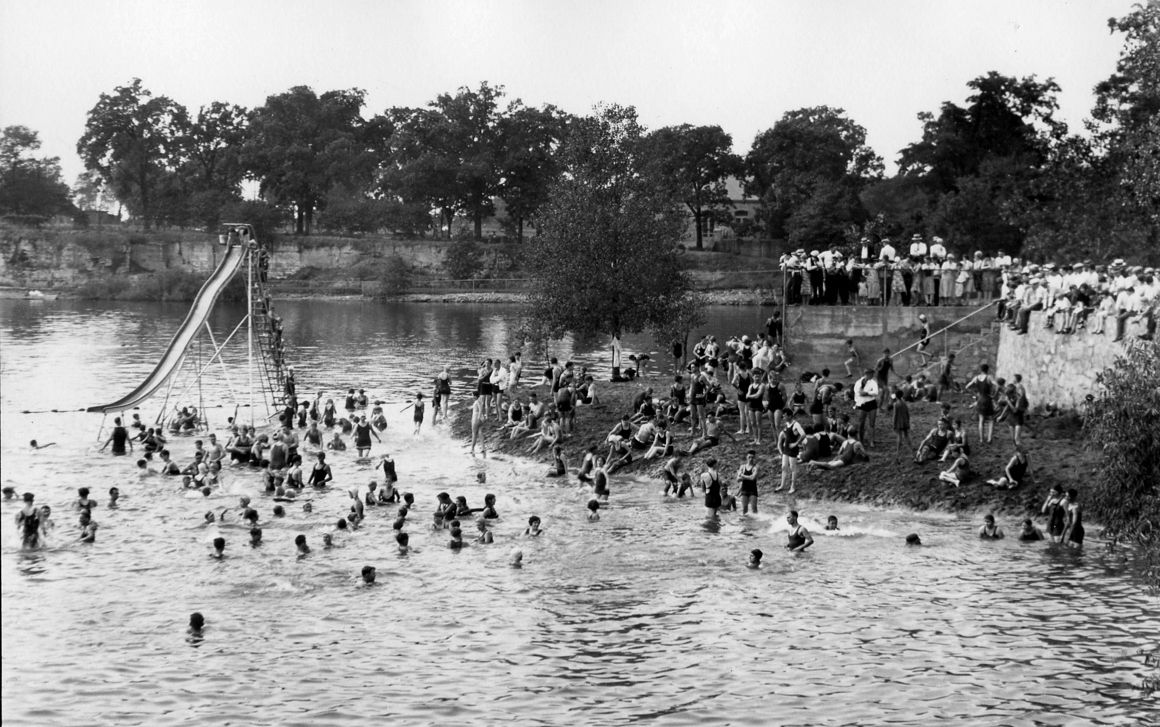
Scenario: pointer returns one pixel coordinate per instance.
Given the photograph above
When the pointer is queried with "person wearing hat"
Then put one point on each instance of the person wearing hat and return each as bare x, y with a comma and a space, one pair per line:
917, 248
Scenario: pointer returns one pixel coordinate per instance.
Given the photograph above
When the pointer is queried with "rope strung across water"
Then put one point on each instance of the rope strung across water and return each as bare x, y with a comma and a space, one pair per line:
70, 411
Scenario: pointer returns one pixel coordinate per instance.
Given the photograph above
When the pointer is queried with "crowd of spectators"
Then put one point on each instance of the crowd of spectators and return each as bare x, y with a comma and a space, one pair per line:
922, 274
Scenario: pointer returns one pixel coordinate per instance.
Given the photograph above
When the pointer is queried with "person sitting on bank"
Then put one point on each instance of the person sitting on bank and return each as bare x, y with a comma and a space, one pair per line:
935, 442
960, 470
1015, 473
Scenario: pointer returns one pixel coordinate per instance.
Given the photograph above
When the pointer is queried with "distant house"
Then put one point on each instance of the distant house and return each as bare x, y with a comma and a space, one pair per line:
744, 208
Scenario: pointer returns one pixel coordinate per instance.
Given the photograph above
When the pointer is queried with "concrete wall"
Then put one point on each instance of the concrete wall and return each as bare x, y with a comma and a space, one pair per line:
1060, 369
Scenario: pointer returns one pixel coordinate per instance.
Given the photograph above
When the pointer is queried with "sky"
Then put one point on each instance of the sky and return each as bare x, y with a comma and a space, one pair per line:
736, 64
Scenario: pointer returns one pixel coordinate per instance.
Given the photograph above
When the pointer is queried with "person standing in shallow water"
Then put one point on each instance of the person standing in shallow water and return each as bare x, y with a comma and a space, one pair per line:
119, 438
798, 538
711, 486
1073, 533
1055, 508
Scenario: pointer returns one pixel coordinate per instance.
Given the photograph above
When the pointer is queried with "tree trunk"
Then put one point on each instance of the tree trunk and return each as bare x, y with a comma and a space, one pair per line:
299, 220
309, 217
697, 215
478, 215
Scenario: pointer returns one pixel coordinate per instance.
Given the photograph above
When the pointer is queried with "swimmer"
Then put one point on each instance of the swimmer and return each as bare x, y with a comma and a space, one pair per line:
489, 512
255, 537
559, 466
600, 480
485, 537
196, 623
798, 538
321, 474
327, 541
83, 502
533, 530
307, 507
747, 480
119, 438
1030, 533
456, 539
517, 559
593, 510
250, 515
368, 574
114, 495
755, 557
420, 409
279, 511
88, 528
404, 542
336, 444
219, 548
9, 493
300, 543
989, 530
28, 520
362, 436
832, 523
34, 445
913, 539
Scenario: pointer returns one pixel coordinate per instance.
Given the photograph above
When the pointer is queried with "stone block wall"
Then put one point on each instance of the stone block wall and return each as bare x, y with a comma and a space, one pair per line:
1057, 368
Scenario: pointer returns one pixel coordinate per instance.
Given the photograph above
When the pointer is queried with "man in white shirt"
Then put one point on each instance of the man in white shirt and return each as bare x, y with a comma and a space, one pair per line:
937, 250
887, 255
917, 247
866, 405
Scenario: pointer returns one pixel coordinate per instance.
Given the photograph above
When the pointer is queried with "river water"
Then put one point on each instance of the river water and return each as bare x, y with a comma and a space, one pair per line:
647, 615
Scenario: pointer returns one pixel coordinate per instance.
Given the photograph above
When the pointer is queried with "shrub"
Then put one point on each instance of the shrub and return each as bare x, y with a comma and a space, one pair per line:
463, 259
1123, 424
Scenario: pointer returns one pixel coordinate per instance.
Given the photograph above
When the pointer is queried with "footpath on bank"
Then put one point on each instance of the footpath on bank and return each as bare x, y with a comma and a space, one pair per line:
1054, 445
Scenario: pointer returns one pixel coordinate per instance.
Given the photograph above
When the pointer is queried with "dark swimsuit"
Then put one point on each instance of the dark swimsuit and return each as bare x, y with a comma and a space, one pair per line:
749, 481
362, 436
1056, 519
600, 486
318, 476
795, 540
389, 470
713, 494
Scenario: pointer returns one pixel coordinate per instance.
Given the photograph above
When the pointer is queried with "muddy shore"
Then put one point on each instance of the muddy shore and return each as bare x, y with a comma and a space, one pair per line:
1054, 446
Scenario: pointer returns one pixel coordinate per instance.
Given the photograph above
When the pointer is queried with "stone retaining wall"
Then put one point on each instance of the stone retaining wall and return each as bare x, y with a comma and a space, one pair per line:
1061, 369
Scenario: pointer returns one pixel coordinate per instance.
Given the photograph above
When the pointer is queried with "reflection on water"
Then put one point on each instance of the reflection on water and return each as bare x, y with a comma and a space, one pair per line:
648, 614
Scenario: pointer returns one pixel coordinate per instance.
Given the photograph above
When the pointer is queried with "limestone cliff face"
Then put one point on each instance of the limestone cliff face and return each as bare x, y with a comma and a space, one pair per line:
62, 259
1061, 369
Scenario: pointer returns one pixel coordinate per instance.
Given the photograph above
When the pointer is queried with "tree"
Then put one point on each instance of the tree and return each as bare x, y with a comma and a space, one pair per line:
301, 146
31, 188
606, 259
1127, 111
976, 162
133, 140
696, 161
812, 158
213, 171
1123, 425
530, 141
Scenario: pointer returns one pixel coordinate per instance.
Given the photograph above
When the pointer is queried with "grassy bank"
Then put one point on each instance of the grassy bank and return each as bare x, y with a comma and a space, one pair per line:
165, 286
1054, 448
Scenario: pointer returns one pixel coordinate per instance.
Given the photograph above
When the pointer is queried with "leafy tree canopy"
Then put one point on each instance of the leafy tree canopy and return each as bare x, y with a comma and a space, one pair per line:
606, 259
695, 161
811, 159
135, 140
301, 146
31, 187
